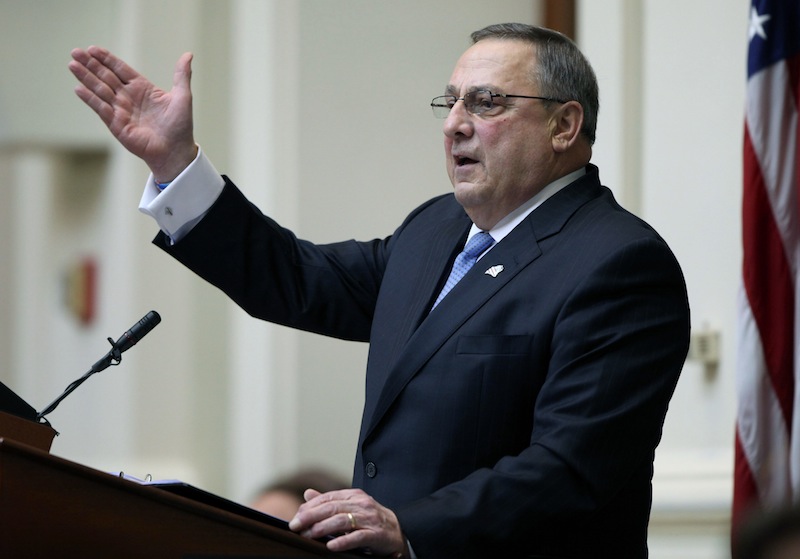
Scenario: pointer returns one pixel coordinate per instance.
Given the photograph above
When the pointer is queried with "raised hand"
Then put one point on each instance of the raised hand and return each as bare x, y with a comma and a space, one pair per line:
153, 124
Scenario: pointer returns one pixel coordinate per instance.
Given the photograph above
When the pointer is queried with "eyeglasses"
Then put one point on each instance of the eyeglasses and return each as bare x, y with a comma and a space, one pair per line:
477, 102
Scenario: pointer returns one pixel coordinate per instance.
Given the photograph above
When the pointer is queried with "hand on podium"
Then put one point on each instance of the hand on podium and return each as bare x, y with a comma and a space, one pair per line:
353, 520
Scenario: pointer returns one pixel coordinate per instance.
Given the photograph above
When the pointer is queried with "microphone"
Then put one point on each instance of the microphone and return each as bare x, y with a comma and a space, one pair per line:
114, 356
137, 332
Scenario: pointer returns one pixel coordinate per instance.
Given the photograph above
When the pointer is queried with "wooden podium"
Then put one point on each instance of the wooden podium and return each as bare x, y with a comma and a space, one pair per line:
51, 507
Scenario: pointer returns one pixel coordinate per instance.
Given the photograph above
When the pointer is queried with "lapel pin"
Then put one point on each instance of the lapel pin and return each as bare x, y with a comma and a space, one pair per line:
494, 270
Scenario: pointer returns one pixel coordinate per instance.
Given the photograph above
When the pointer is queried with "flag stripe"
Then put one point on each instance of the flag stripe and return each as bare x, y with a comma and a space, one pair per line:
747, 491
768, 282
762, 430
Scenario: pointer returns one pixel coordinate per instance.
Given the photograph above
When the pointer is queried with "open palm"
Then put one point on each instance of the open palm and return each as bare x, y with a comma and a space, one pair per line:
153, 124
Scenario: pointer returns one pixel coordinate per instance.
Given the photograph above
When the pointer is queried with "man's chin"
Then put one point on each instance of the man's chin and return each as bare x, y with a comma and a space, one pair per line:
468, 194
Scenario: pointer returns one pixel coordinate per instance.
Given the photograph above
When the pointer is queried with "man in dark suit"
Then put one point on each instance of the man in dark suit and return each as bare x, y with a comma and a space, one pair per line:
516, 415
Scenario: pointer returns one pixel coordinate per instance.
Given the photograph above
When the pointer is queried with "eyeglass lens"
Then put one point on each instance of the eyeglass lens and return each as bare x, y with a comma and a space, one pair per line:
476, 102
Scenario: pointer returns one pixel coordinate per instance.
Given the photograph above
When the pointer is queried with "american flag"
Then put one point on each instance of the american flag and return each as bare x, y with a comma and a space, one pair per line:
767, 450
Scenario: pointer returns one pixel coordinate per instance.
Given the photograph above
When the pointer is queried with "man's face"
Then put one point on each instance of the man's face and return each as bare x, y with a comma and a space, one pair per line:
500, 159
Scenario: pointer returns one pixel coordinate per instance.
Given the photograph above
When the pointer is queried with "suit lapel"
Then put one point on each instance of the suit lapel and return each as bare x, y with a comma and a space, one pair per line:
447, 242
410, 282
422, 271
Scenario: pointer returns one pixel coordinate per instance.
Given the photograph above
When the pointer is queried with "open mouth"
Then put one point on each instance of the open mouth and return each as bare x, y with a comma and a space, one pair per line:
460, 161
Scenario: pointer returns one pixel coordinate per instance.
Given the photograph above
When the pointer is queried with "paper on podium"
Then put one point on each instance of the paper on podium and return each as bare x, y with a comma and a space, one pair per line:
183, 489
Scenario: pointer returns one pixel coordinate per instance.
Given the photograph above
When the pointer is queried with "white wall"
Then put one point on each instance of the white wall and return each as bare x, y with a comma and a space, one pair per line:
318, 110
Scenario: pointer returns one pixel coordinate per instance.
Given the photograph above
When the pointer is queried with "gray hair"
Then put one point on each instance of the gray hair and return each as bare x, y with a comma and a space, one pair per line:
561, 72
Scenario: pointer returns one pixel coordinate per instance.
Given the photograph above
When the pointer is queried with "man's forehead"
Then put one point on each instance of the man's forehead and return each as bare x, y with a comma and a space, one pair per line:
498, 52
492, 64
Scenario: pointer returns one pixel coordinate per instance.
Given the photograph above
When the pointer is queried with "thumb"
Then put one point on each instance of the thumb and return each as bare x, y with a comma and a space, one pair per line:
182, 77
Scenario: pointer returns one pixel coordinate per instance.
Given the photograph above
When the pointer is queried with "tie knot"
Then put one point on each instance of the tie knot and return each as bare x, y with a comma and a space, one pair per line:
478, 243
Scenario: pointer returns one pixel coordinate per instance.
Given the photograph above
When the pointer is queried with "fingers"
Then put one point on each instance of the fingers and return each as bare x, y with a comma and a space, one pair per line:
317, 509
98, 83
103, 109
113, 67
352, 519
309, 494
96, 69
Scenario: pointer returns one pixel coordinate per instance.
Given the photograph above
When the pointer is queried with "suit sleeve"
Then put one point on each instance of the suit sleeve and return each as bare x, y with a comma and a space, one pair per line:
327, 289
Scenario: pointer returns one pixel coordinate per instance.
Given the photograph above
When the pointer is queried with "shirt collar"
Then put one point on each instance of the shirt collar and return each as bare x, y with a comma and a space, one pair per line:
508, 223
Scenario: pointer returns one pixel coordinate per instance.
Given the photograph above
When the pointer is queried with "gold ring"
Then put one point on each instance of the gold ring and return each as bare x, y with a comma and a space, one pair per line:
352, 519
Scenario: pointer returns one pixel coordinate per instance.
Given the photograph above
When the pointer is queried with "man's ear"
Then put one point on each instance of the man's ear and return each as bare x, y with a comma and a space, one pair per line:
566, 124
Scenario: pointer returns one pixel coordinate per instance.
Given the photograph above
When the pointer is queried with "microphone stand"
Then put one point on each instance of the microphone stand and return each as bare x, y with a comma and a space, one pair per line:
113, 357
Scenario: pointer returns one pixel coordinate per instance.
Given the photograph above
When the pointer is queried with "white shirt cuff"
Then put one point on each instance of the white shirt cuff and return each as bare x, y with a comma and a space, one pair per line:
180, 206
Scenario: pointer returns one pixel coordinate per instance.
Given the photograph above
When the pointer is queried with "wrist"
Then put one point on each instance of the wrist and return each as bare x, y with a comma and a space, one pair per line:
168, 171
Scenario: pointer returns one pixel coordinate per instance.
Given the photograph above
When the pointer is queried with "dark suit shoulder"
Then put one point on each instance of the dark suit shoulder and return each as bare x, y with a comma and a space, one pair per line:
588, 207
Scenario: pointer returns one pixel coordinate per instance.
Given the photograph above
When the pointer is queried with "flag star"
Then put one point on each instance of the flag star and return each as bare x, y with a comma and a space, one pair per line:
757, 24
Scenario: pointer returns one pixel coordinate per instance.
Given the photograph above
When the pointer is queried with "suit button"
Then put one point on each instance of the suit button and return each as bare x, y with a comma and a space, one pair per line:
371, 469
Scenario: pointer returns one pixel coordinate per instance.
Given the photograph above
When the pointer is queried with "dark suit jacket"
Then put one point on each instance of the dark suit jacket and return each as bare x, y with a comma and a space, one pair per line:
518, 418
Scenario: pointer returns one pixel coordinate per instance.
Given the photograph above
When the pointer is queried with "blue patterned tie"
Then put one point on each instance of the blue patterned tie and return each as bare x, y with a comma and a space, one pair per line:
464, 261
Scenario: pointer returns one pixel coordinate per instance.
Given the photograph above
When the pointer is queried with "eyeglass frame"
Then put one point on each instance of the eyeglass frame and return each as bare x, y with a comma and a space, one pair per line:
492, 96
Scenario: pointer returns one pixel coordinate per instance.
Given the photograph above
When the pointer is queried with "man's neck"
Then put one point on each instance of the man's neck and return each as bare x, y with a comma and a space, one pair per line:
509, 222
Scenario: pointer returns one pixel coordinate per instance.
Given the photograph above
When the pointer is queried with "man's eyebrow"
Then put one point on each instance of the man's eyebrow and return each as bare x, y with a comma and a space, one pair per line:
453, 90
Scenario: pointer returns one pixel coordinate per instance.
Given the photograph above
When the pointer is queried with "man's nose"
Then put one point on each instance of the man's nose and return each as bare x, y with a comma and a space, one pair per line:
458, 120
